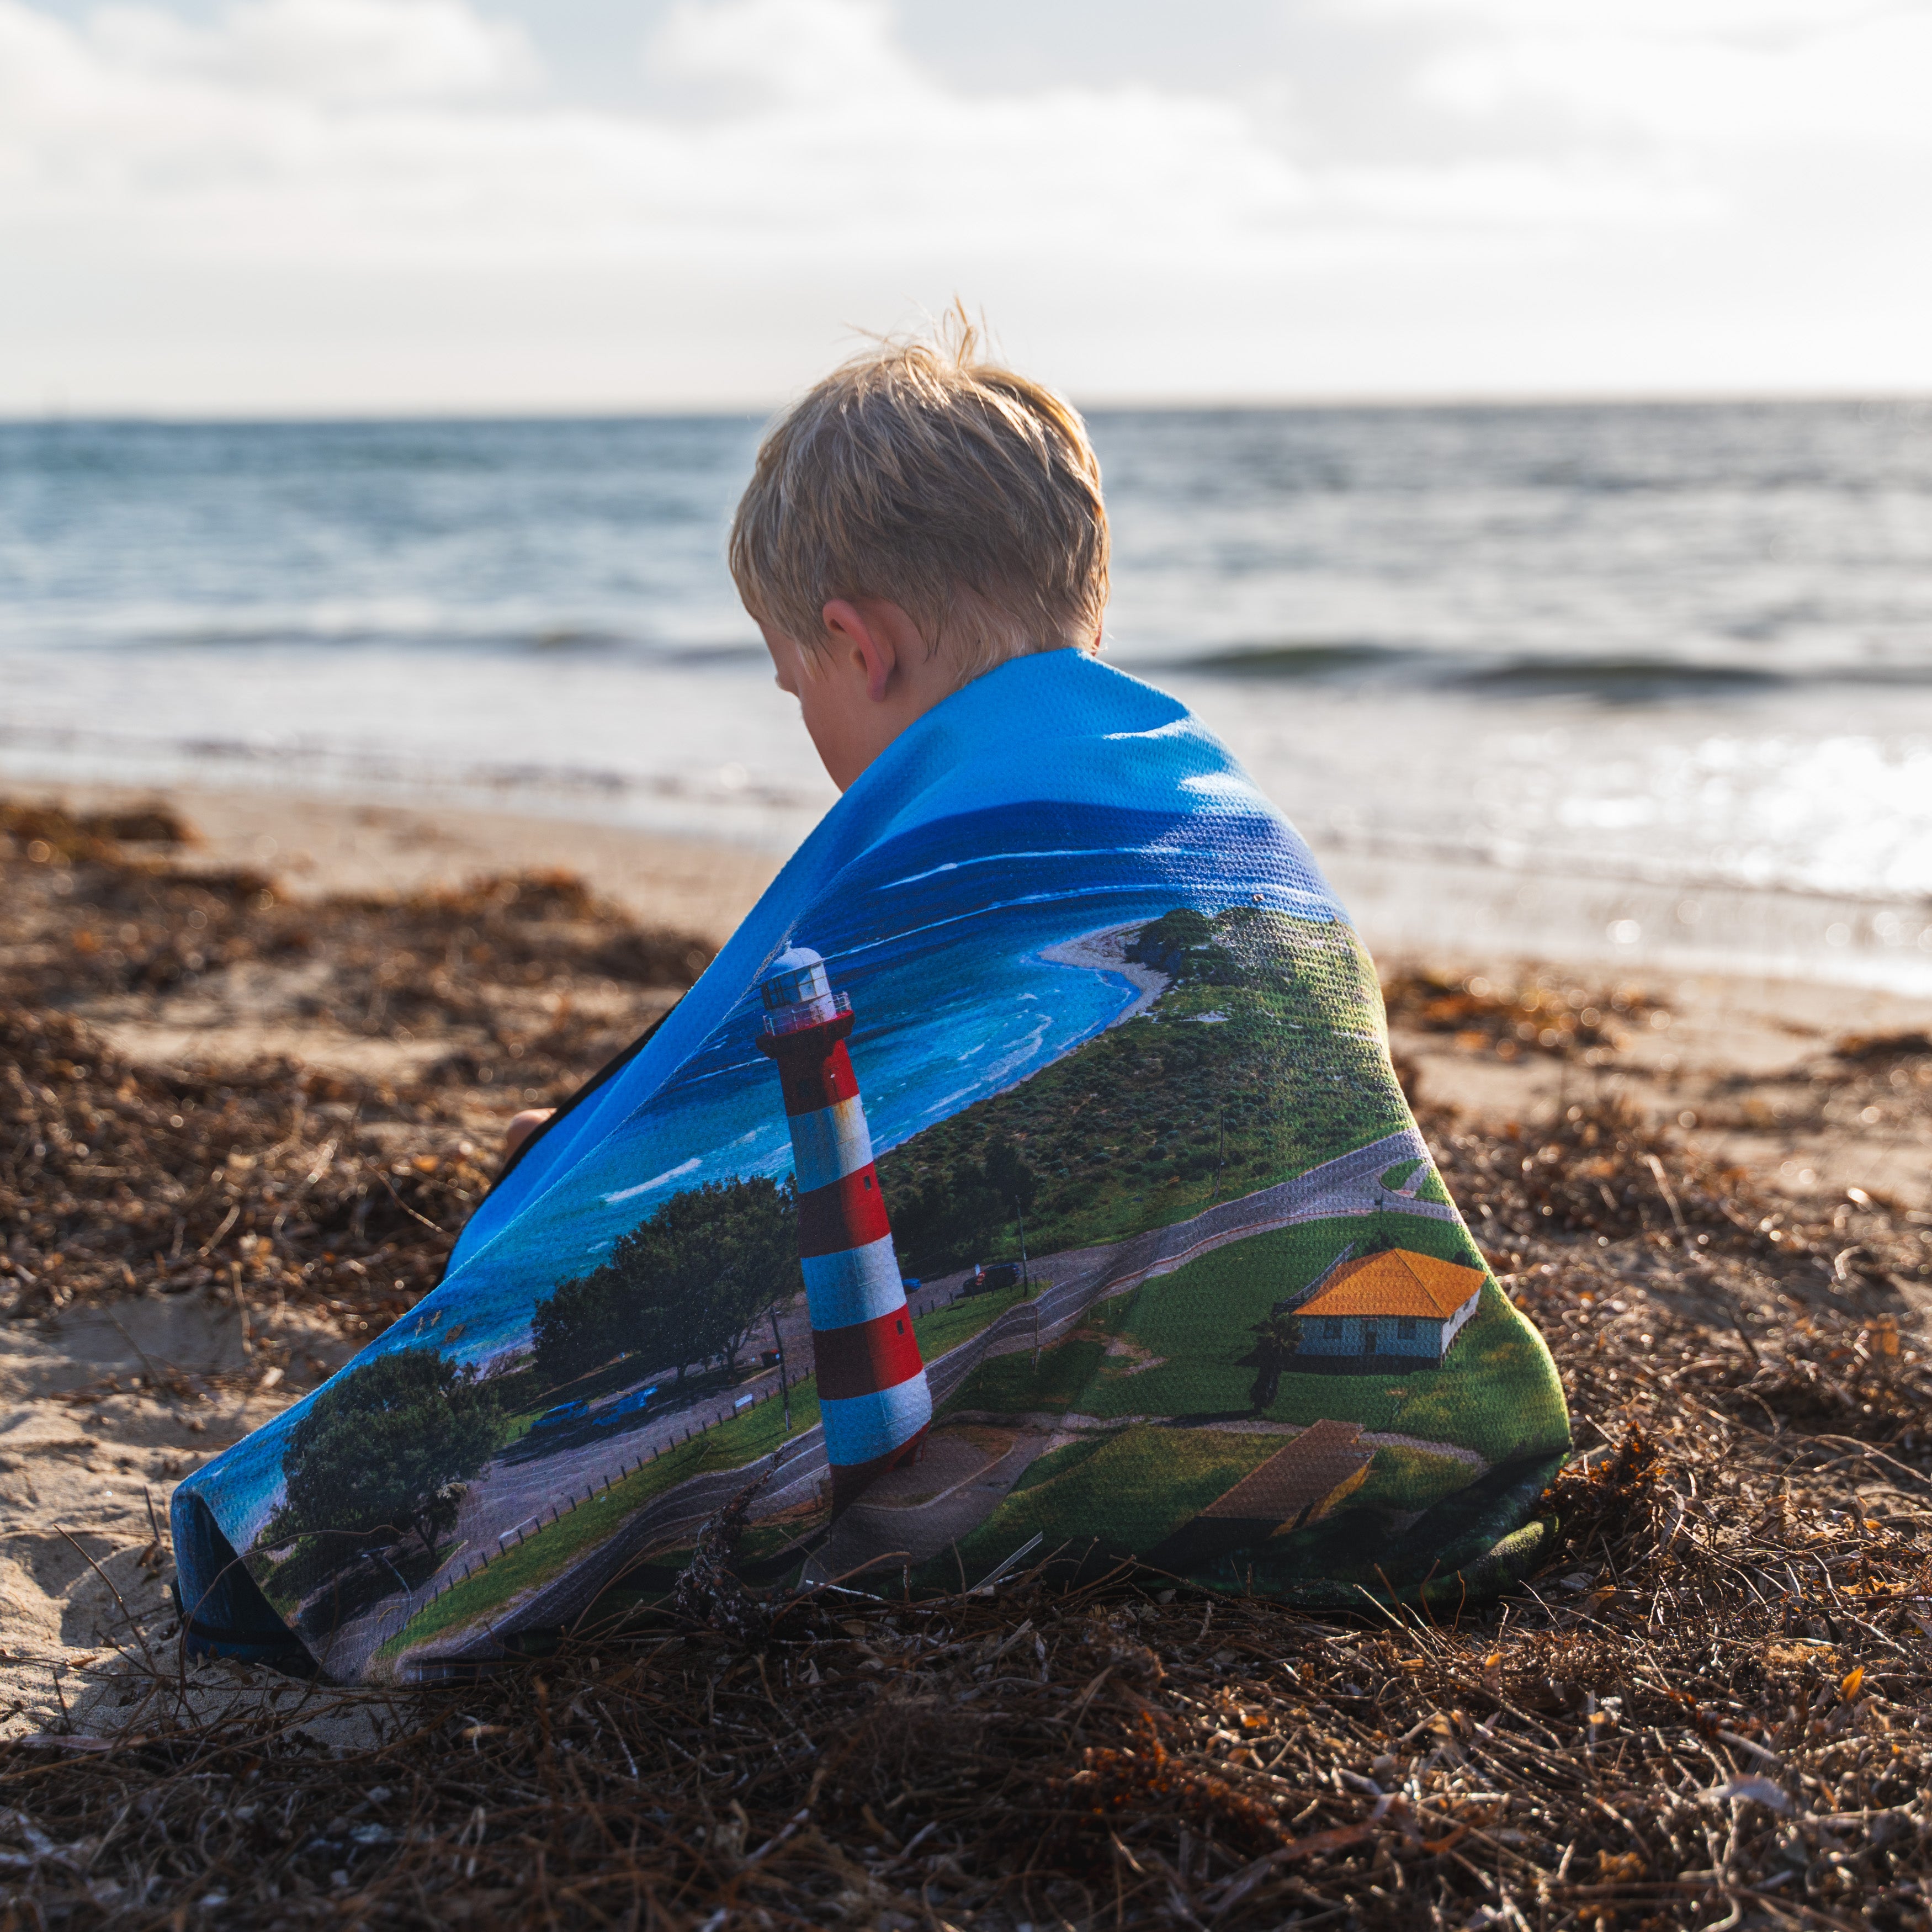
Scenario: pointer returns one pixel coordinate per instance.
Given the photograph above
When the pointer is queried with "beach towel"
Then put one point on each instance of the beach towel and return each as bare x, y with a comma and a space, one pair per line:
1026, 1184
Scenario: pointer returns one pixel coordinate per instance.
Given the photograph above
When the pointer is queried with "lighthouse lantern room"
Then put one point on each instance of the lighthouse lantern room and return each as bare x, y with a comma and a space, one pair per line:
796, 992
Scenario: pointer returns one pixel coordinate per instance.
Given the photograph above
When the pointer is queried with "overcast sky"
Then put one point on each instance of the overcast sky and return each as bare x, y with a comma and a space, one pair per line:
297, 205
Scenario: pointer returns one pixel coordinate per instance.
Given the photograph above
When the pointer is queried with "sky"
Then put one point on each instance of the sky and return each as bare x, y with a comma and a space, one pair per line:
281, 207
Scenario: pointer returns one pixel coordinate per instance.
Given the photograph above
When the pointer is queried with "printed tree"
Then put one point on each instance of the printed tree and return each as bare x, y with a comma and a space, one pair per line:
1004, 1170
964, 1210
685, 1286
575, 1328
383, 1452
721, 1254
1279, 1343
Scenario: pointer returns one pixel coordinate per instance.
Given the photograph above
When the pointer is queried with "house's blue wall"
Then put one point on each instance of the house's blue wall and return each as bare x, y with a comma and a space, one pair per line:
1426, 1344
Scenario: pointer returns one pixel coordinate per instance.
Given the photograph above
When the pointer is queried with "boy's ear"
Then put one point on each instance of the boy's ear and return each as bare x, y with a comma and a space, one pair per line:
869, 638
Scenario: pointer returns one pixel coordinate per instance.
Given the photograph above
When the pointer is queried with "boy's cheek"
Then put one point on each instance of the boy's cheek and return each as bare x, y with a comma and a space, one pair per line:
825, 723
786, 668
839, 737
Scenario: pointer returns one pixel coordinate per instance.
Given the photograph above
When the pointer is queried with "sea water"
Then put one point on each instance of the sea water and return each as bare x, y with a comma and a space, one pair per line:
1654, 681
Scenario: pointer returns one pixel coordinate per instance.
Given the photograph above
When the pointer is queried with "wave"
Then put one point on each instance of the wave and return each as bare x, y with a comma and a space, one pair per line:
1317, 658
1615, 679
331, 763
1611, 677
535, 640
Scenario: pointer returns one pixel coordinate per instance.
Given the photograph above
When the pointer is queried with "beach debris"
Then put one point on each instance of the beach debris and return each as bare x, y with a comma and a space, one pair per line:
48, 834
273, 1180
1715, 1698
1545, 1013
1869, 1049
709, 1592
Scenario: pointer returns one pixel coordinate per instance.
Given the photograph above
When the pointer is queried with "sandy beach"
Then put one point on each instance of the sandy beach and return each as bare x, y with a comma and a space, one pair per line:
108, 1397
260, 1049
1106, 951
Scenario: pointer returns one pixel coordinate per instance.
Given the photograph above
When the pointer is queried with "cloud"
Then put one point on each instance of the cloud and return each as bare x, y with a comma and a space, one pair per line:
1708, 75
656, 1181
324, 50
407, 131
802, 52
289, 185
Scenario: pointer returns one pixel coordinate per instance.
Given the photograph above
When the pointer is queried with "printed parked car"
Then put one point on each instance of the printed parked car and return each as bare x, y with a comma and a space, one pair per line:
989, 1278
626, 1410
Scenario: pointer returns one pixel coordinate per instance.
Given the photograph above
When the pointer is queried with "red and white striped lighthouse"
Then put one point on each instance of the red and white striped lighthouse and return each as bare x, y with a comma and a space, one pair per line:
872, 1391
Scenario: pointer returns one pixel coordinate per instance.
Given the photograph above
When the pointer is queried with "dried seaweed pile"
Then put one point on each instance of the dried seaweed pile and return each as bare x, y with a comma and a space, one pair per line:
1711, 1710
1547, 1013
1872, 1083
88, 918
1713, 1706
275, 1181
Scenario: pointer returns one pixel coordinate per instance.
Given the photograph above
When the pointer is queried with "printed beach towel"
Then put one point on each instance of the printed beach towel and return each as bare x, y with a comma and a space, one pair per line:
1026, 1180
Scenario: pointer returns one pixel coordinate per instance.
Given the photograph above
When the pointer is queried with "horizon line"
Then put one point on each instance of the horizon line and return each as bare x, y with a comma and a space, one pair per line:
350, 415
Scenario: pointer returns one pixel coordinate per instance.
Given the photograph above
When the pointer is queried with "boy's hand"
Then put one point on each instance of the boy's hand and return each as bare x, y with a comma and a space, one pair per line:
521, 1126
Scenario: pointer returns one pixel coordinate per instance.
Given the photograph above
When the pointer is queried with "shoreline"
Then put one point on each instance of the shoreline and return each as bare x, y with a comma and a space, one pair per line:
320, 843
1104, 950
1404, 899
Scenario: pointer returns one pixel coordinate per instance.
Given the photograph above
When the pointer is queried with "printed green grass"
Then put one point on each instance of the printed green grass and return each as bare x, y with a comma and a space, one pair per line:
945, 1329
1138, 1486
1497, 1394
1057, 1461
1011, 1385
1133, 1489
1404, 1478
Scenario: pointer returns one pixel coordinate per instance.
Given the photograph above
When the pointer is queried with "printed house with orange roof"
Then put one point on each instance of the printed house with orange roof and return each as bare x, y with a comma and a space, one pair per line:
1396, 1308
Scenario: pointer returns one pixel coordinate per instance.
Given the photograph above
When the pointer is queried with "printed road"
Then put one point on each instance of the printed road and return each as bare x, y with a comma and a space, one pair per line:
510, 1495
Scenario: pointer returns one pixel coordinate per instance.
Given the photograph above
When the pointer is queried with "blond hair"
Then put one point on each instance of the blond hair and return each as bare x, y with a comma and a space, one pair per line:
921, 475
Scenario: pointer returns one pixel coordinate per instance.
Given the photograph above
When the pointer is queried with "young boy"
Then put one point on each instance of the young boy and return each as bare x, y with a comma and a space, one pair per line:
918, 518
1052, 1024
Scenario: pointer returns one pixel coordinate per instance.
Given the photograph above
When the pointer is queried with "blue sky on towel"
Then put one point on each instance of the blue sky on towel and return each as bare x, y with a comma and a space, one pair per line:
345, 205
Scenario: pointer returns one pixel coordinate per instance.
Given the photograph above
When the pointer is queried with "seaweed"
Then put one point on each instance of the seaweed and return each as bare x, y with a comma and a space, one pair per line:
1710, 1704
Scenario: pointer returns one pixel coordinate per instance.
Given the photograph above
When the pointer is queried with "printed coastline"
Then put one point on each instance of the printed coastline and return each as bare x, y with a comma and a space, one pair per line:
1109, 1307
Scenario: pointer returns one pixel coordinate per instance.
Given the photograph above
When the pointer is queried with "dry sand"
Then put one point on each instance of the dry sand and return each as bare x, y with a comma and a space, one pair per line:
85, 1477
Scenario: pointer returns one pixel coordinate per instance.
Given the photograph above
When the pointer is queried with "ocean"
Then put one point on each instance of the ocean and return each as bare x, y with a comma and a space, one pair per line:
1651, 682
